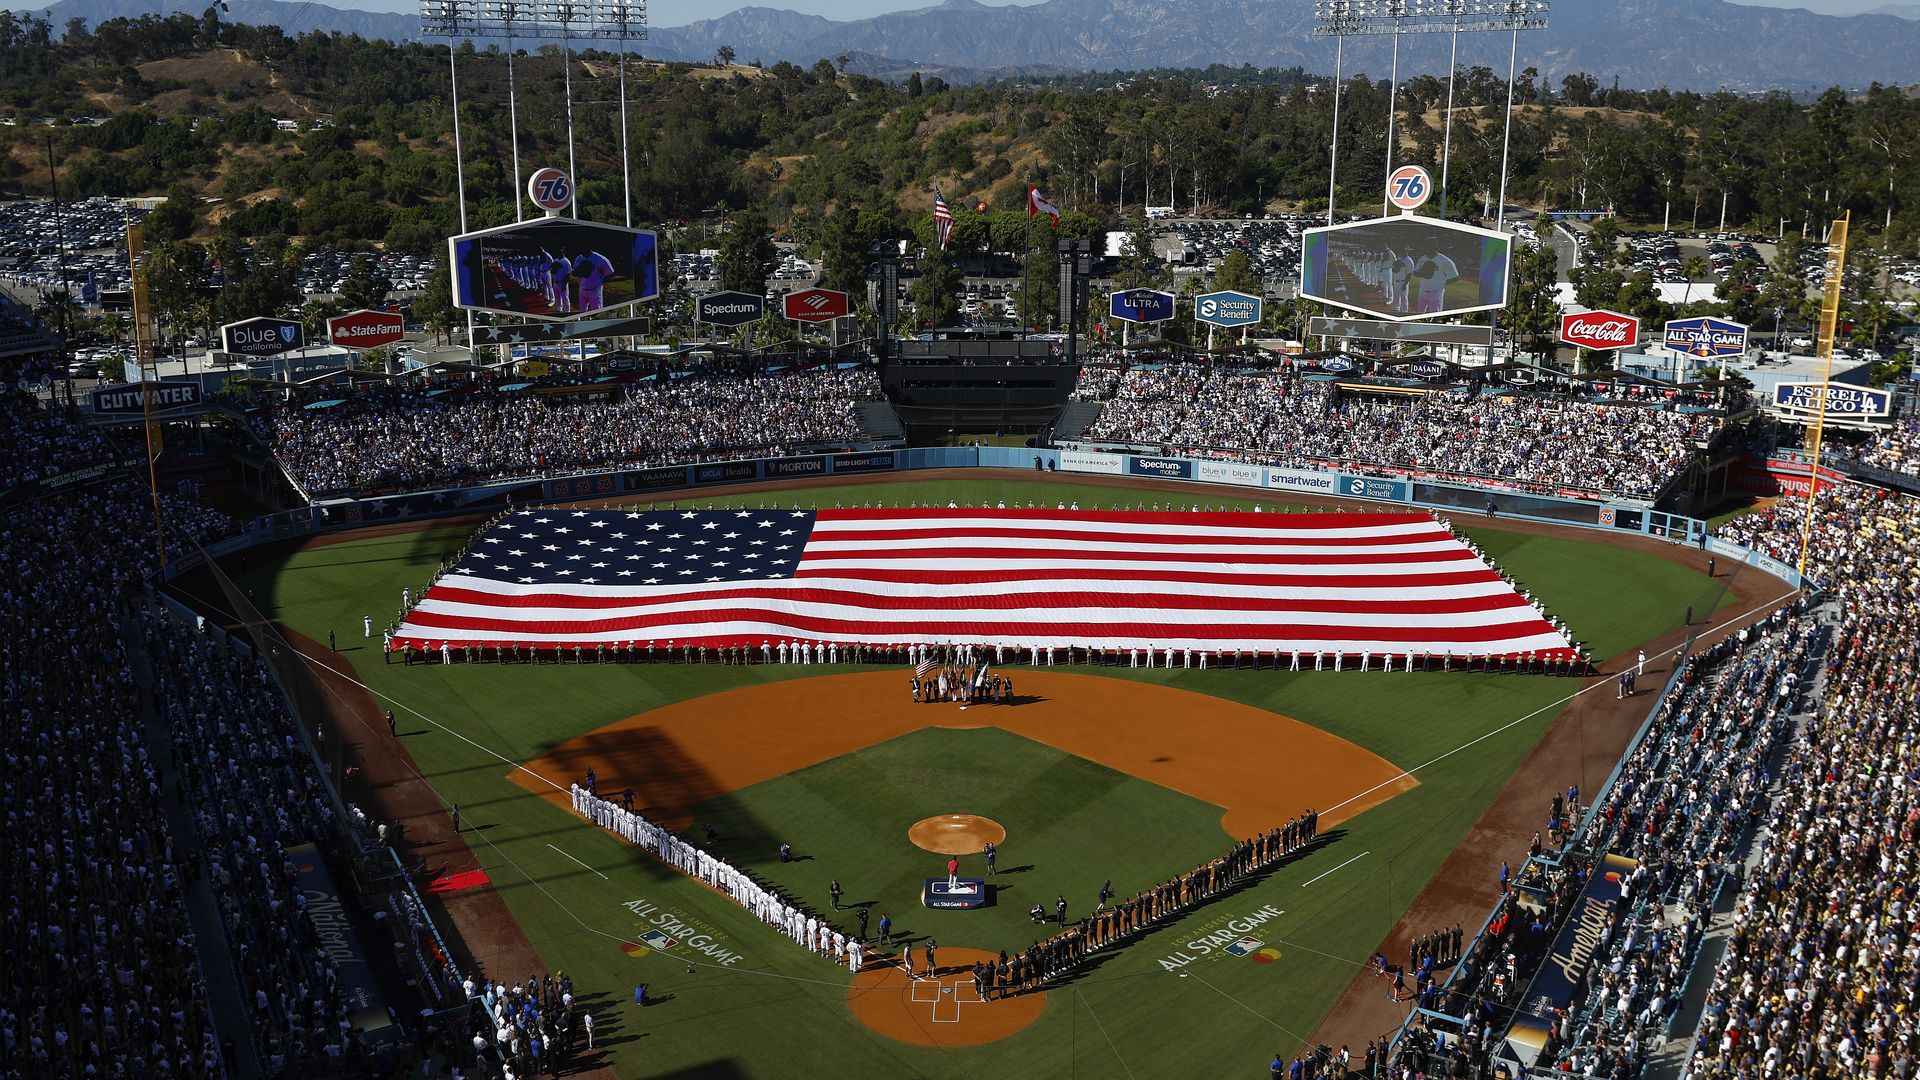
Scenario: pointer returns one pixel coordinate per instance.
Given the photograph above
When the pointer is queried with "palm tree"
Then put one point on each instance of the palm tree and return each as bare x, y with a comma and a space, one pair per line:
1694, 267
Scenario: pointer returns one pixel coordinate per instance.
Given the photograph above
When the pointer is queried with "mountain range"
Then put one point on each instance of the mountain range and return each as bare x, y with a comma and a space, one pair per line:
1683, 44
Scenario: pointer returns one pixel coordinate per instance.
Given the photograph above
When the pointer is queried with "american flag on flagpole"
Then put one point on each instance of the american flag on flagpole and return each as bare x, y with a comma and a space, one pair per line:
1343, 583
942, 220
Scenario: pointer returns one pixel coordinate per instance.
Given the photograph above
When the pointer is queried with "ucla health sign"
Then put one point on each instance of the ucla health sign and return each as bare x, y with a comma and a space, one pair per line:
1226, 309
1141, 305
1705, 336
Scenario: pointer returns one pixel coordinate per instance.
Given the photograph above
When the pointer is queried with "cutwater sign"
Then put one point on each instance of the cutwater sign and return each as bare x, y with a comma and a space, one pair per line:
262, 337
131, 397
1705, 336
1141, 305
1842, 399
1169, 468
1367, 487
1226, 308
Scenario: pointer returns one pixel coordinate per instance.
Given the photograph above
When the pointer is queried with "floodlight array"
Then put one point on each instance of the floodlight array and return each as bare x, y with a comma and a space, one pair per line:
1360, 18
544, 19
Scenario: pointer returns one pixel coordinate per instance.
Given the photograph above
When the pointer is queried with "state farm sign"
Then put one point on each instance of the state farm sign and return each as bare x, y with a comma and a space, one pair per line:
1600, 330
365, 329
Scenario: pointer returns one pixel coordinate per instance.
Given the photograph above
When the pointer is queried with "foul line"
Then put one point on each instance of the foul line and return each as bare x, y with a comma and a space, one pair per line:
1103, 1031
603, 877
1404, 774
1342, 866
1290, 1032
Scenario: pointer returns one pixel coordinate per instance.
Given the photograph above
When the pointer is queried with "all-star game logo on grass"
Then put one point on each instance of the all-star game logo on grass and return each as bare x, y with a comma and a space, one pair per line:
1229, 936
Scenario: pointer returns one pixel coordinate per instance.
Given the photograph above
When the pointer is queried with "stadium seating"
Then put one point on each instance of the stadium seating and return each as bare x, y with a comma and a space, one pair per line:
1537, 440
417, 438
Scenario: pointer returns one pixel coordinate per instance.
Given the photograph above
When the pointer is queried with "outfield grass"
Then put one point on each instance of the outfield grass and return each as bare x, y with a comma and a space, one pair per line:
777, 1012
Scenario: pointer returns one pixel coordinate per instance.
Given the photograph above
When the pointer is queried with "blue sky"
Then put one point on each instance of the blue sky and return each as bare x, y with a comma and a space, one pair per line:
681, 12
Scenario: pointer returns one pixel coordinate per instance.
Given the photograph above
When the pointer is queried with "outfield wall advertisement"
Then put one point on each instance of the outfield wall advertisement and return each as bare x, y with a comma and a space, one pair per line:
1078, 461
1165, 468
1229, 472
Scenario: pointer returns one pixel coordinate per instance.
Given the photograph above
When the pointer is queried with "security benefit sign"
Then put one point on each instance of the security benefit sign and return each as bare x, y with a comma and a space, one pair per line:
1842, 399
1141, 306
554, 268
1403, 268
1226, 309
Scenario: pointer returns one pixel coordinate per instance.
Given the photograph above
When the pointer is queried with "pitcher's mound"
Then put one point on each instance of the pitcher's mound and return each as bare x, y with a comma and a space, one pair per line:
956, 834
943, 1009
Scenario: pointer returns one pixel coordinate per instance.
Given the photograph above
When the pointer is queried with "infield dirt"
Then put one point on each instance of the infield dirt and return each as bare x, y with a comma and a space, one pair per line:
727, 743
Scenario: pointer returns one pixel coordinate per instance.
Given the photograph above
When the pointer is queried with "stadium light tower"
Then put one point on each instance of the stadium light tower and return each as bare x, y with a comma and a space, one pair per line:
1342, 19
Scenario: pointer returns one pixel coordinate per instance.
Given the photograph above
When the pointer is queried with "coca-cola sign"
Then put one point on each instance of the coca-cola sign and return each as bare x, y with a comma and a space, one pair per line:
1600, 330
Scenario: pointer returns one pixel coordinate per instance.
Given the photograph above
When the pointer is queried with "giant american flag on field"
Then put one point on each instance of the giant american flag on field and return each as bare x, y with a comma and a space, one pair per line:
1350, 583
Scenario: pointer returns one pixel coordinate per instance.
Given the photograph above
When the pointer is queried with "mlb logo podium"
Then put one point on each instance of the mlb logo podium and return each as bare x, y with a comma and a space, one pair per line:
961, 893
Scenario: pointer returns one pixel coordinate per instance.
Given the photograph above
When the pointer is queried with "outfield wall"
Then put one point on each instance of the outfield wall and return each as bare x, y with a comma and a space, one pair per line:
635, 484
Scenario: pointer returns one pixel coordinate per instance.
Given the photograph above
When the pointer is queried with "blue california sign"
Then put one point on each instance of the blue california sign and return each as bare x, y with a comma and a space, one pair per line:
1141, 305
1226, 308
1705, 336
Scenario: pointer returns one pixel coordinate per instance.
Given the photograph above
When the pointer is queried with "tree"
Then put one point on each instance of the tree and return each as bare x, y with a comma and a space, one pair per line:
434, 306
176, 218
365, 286
1532, 313
746, 253
723, 55
914, 87
1236, 272
1739, 294
1693, 268
1138, 267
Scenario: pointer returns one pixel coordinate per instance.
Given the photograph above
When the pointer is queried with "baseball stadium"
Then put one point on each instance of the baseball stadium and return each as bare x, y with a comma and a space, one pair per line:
854, 689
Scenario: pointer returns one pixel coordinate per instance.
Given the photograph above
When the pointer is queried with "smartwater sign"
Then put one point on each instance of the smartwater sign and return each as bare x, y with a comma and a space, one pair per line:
1141, 305
1367, 487
1226, 309
1841, 399
1312, 483
1166, 468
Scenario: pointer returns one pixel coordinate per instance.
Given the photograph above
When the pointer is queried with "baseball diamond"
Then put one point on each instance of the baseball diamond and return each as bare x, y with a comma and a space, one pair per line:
1132, 806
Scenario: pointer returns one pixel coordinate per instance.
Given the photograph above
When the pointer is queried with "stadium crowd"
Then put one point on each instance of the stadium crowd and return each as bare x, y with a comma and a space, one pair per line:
1538, 441
102, 977
415, 437
1822, 974
1679, 808
255, 791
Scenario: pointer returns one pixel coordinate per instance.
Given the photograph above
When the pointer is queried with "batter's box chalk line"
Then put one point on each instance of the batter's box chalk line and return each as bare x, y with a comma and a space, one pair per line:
950, 995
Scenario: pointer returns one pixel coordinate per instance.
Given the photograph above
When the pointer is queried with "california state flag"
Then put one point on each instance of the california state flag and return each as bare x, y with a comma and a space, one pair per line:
1038, 205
